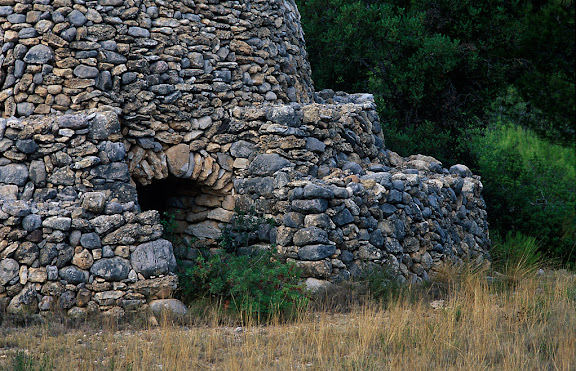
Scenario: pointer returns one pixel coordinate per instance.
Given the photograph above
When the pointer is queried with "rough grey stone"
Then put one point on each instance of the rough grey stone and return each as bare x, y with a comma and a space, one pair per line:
27, 145
104, 81
24, 302
25, 108
461, 170
103, 125
315, 145
388, 209
172, 307
242, 149
52, 272
293, 220
267, 164
65, 254
105, 223
113, 171
13, 18
377, 239
310, 206
284, 115
69, 34
62, 176
398, 185
107, 252
90, 241
322, 221
353, 167
6, 11
154, 258
163, 89
346, 256
114, 151
111, 269
343, 217
395, 197
86, 72
94, 201
77, 18
39, 54
73, 122
316, 191
316, 252
9, 269
113, 57
138, 32
32, 222
73, 275
310, 236
58, 222
67, 300
48, 253
16, 208
9, 192
261, 186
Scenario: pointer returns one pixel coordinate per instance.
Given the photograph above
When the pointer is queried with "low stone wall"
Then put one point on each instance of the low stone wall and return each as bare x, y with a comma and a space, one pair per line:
72, 235
340, 200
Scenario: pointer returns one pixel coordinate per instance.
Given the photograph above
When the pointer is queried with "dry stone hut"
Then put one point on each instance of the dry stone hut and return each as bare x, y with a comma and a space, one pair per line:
114, 111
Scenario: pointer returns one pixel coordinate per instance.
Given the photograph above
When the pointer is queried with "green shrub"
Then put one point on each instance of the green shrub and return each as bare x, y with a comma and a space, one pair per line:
259, 285
380, 281
244, 229
529, 187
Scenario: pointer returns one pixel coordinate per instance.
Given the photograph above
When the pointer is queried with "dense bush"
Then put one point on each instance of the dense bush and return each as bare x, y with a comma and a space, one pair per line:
547, 51
434, 66
258, 285
530, 187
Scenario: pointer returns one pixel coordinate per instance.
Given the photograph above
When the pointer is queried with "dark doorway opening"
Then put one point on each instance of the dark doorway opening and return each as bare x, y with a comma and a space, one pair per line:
166, 194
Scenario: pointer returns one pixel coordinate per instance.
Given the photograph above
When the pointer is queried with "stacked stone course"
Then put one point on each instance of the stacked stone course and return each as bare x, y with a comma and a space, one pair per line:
209, 107
72, 236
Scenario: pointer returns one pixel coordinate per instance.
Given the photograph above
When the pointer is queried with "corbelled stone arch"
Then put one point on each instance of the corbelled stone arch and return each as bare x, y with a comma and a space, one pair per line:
192, 190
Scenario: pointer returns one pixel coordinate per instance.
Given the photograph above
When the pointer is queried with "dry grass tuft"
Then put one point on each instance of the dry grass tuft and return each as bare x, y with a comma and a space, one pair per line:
469, 322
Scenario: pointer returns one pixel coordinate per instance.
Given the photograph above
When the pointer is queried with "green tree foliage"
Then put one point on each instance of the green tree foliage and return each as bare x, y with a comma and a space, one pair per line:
547, 52
430, 63
530, 187
439, 64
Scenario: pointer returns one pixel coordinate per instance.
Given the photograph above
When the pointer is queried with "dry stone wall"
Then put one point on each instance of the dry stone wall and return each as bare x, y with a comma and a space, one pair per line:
72, 235
339, 199
115, 111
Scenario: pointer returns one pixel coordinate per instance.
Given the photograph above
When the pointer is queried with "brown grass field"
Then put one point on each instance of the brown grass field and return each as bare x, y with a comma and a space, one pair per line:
463, 323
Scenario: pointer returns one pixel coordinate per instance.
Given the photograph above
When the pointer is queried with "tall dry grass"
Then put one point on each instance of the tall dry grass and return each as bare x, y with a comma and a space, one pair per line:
475, 324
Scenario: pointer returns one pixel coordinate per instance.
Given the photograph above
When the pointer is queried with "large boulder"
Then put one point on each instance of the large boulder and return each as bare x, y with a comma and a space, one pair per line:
172, 307
154, 258
111, 269
24, 302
